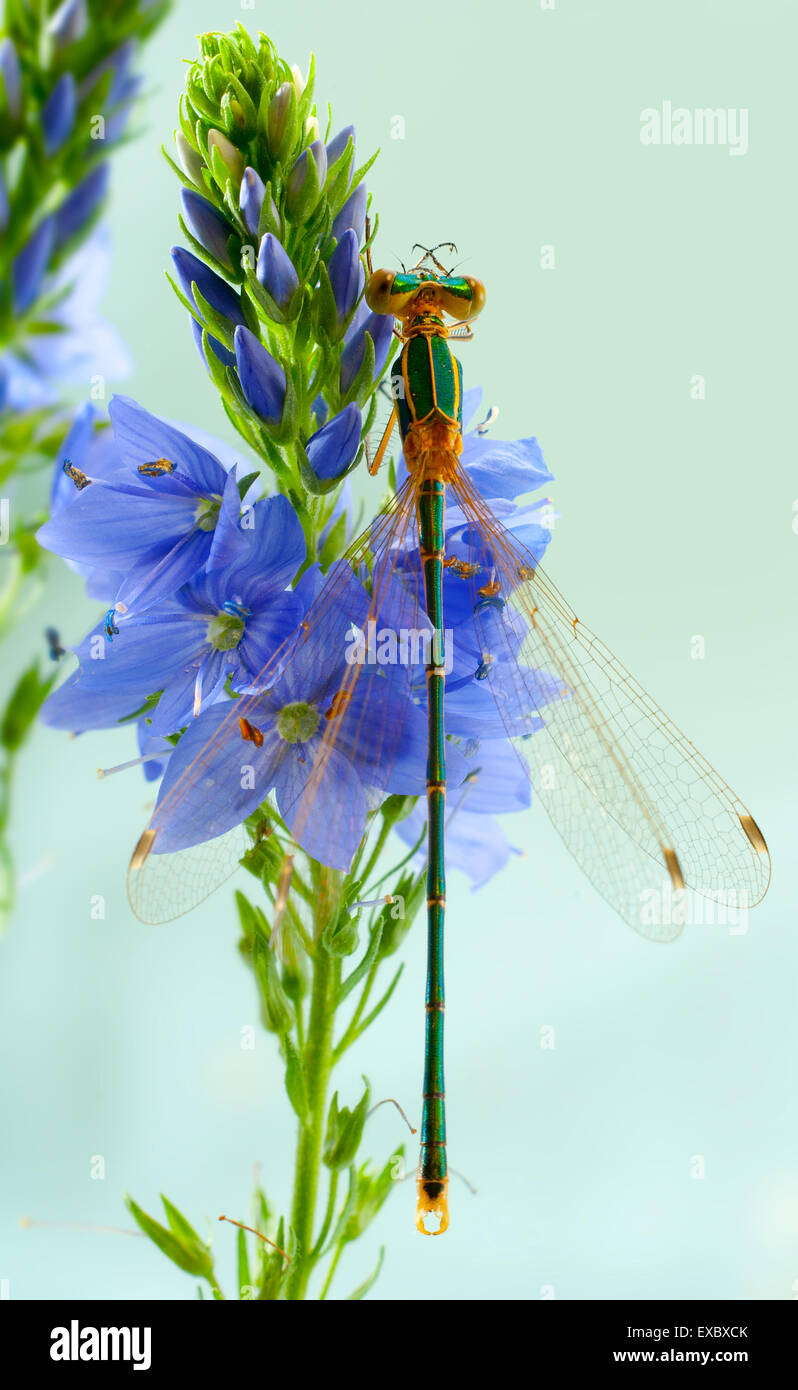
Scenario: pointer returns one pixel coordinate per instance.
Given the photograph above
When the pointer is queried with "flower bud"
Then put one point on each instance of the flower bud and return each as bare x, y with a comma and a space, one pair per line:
191, 162
191, 270
380, 329
226, 151
223, 353
345, 1131
250, 199
69, 24
408, 897
207, 224
280, 120
276, 1010
337, 146
305, 182
346, 275
332, 451
58, 115
299, 81
352, 214
262, 379
276, 273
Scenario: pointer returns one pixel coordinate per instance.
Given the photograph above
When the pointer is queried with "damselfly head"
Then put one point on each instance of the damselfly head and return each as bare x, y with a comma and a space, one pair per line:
404, 293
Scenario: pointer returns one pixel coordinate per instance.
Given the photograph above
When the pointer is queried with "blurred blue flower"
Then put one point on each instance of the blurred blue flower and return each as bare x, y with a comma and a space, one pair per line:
80, 205
68, 24
10, 78
78, 344
262, 378
58, 115
28, 269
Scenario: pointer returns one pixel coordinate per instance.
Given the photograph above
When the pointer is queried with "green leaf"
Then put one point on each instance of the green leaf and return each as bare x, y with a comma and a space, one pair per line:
179, 1224
369, 957
191, 1255
244, 1276
295, 1086
23, 706
363, 1289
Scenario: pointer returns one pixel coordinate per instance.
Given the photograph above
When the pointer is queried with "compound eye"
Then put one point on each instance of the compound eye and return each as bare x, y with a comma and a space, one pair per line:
378, 291
477, 296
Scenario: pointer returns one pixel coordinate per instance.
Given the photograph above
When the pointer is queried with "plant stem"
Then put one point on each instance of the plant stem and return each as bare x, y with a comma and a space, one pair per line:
317, 1066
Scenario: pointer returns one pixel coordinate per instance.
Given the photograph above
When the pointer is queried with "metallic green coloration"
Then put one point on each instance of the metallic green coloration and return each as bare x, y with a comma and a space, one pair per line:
426, 379
432, 1167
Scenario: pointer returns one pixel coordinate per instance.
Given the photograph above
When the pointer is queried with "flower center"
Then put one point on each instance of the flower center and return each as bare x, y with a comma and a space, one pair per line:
208, 513
227, 628
298, 722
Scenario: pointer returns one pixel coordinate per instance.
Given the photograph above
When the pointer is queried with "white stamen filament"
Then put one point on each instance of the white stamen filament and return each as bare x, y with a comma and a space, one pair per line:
134, 762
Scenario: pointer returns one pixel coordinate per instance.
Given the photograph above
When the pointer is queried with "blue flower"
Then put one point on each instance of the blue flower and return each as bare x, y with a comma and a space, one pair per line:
262, 378
332, 450
346, 275
380, 329
305, 181
336, 147
170, 510
58, 115
380, 746
219, 631
475, 842
221, 297
276, 273
352, 214
207, 225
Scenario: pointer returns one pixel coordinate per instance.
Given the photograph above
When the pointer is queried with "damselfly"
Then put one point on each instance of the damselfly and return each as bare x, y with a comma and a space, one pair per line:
634, 801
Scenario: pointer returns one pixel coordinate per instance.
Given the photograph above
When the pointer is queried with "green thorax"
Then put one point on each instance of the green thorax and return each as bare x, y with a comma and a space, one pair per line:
427, 380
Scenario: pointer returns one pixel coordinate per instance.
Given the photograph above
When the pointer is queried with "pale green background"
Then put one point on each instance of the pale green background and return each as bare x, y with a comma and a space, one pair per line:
522, 129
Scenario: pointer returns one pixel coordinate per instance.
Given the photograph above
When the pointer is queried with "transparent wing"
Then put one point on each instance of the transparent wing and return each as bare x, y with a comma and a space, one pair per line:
383, 442
197, 834
633, 799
